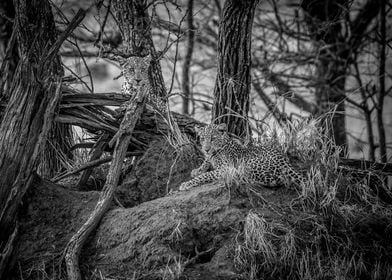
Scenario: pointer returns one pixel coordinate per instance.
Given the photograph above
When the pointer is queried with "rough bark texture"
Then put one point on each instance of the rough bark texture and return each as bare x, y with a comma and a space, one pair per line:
135, 24
8, 51
382, 93
87, 111
57, 150
233, 81
34, 93
186, 87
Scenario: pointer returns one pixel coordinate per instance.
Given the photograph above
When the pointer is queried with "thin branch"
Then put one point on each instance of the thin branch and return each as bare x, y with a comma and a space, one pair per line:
91, 164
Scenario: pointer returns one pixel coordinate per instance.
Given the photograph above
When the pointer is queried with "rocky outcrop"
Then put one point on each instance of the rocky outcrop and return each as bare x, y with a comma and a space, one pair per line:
165, 235
158, 171
187, 233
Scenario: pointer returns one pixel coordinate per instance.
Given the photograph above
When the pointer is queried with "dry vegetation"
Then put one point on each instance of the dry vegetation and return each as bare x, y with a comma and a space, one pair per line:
337, 227
334, 227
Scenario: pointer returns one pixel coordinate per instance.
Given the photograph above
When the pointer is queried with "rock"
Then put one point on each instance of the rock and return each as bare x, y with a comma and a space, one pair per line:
164, 236
53, 214
158, 171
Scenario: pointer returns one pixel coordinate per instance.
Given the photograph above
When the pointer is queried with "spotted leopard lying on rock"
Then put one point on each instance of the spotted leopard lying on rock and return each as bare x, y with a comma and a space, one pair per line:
263, 165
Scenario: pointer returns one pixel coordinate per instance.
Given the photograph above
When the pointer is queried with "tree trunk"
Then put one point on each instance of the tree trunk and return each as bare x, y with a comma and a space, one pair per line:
57, 151
336, 52
233, 81
188, 59
322, 19
382, 91
8, 51
34, 93
330, 96
134, 22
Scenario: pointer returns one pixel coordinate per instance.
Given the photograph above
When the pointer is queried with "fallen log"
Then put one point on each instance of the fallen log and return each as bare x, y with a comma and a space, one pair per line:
90, 111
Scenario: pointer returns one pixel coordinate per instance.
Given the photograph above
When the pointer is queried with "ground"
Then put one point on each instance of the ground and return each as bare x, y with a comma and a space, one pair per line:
215, 231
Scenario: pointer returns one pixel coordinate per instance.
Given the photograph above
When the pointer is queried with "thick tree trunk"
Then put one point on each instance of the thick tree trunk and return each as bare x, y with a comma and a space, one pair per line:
34, 93
134, 22
57, 151
233, 81
8, 52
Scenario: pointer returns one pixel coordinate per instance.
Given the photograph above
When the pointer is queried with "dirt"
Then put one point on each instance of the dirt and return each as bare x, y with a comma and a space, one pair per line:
188, 235
52, 216
165, 231
192, 232
160, 170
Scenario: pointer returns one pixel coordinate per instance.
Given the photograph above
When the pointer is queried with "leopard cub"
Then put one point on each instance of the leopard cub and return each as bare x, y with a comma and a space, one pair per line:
263, 165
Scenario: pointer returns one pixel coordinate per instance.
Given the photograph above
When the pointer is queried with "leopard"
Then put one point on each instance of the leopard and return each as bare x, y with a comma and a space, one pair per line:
136, 71
136, 85
263, 165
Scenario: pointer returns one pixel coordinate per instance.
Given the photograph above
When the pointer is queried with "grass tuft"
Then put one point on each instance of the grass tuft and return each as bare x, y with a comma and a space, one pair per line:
336, 228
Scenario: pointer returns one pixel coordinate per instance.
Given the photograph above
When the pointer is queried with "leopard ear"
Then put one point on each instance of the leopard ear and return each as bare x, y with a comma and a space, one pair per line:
222, 127
122, 61
147, 58
198, 130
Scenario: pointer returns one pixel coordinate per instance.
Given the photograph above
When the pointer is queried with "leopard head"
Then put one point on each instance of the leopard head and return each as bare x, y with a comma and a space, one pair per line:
135, 71
213, 137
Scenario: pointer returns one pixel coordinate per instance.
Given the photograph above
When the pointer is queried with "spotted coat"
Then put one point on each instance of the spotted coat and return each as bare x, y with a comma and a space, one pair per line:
263, 165
136, 74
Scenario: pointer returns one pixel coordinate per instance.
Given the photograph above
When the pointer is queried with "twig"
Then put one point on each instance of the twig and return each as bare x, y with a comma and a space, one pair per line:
91, 164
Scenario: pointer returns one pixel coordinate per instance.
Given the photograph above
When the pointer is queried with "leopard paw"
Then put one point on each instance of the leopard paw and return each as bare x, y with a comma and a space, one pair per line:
173, 192
195, 173
185, 186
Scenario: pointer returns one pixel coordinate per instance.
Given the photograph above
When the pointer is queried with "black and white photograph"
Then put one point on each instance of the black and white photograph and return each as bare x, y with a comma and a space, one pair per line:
195, 140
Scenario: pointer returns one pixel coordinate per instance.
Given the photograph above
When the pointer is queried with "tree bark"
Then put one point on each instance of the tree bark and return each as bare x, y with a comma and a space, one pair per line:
382, 93
233, 81
9, 51
57, 150
188, 59
135, 25
88, 111
34, 93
